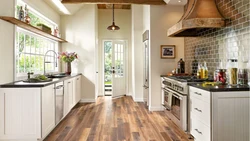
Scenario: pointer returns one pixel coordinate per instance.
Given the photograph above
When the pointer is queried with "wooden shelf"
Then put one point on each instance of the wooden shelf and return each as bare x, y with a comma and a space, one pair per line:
31, 28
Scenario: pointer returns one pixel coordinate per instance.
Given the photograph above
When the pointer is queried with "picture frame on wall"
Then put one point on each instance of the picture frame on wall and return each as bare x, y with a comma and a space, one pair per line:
168, 51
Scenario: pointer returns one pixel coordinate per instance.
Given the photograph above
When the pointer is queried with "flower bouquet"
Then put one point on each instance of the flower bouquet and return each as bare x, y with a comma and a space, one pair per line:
68, 58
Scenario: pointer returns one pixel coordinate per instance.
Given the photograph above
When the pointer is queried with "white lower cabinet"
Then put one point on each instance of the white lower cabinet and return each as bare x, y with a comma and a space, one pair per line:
77, 89
48, 110
28, 114
68, 95
219, 116
21, 116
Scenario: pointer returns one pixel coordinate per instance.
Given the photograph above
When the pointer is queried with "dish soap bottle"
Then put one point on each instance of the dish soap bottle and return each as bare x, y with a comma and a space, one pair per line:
205, 70
199, 71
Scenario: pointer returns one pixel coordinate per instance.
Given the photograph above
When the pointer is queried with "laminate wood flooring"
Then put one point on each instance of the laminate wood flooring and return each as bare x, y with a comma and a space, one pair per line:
119, 119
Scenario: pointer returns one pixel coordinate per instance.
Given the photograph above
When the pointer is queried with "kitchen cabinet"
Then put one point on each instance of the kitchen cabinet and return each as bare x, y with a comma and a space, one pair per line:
21, 118
29, 113
77, 89
219, 116
48, 109
68, 95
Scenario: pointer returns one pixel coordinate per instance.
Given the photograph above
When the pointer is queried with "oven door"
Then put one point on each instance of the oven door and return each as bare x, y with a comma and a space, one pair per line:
179, 109
167, 95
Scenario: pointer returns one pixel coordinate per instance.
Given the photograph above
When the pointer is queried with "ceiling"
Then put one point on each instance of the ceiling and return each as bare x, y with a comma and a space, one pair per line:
74, 5
72, 8
117, 6
150, 2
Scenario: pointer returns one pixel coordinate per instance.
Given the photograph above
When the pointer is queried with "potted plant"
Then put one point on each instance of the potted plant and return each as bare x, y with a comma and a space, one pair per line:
68, 58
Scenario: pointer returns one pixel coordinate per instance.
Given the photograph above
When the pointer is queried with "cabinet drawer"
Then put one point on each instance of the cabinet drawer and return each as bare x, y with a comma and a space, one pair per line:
200, 131
201, 110
200, 94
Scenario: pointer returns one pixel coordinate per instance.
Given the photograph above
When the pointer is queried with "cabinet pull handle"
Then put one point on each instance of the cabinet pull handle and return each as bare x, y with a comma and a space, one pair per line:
198, 93
198, 110
69, 82
198, 131
77, 79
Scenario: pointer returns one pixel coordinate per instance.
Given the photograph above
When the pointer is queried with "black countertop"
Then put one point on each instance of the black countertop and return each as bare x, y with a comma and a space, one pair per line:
221, 88
21, 84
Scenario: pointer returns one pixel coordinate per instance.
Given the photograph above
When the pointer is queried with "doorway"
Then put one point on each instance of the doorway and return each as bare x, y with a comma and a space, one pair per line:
114, 68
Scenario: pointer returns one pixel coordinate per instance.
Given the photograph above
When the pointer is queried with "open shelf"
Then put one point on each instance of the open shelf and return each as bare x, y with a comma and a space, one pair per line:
31, 28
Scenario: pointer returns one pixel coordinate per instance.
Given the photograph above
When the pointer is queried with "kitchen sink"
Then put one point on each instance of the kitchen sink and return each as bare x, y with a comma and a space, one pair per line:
33, 80
57, 76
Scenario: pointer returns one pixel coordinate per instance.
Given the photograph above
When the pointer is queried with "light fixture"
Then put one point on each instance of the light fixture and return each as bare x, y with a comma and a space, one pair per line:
113, 26
179, 1
61, 7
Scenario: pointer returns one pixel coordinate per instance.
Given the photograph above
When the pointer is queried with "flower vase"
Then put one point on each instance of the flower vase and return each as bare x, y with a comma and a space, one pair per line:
68, 68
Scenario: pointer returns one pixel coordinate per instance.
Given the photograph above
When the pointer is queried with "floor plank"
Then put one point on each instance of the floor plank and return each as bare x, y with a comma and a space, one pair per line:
119, 119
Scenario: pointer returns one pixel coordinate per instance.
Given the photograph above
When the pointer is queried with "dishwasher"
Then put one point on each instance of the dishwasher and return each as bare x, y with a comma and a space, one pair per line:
59, 101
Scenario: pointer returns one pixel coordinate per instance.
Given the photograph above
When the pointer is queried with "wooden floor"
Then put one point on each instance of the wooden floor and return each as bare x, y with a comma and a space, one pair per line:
118, 119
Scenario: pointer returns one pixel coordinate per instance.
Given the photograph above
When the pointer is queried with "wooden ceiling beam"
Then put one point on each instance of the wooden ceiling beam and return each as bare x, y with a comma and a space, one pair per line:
148, 2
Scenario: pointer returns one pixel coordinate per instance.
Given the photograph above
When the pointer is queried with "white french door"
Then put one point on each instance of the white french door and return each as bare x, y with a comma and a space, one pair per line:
118, 68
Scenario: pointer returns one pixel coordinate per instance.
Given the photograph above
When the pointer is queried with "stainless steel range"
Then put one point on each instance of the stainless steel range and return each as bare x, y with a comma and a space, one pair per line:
175, 97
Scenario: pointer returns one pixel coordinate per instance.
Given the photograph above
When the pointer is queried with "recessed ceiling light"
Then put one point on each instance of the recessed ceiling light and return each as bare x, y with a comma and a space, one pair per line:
61, 7
179, 0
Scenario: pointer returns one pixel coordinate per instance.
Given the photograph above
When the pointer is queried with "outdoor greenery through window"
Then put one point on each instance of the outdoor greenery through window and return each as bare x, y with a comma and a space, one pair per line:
108, 61
30, 48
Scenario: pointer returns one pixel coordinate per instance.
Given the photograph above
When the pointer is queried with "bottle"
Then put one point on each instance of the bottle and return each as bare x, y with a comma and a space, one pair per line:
27, 17
205, 70
181, 66
21, 14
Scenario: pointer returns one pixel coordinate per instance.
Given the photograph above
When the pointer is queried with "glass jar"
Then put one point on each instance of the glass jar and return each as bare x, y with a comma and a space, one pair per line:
220, 76
232, 71
243, 76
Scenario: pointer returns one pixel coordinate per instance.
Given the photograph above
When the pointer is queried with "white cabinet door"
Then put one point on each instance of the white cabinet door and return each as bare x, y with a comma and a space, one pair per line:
68, 96
48, 110
2, 97
22, 116
77, 85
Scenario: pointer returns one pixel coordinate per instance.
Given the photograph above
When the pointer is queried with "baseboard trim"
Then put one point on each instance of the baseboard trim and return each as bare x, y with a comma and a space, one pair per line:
87, 101
138, 99
156, 108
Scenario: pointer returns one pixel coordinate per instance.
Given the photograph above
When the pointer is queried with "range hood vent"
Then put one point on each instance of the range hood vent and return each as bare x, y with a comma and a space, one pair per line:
199, 14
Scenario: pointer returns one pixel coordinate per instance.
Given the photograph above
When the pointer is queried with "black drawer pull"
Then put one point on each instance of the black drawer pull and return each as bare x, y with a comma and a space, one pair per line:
198, 93
198, 110
198, 131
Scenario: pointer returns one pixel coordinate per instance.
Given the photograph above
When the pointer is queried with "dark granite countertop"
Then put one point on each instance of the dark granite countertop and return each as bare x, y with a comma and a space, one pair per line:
164, 75
21, 84
221, 88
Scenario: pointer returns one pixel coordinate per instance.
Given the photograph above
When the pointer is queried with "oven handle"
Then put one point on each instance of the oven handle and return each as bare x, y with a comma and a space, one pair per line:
177, 96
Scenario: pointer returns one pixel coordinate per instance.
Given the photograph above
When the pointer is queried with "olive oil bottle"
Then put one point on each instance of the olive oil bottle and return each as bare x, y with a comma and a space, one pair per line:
205, 71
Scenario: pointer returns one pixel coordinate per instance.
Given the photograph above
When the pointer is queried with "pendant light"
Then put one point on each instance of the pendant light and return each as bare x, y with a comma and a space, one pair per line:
113, 26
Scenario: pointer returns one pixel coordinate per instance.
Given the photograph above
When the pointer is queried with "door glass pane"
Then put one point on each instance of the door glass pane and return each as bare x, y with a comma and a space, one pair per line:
108, 62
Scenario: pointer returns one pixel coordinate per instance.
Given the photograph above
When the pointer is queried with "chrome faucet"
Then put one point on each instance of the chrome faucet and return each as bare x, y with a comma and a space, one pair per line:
49, 62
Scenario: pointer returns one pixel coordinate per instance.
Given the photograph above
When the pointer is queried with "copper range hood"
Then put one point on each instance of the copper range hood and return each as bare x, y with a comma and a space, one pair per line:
199, 14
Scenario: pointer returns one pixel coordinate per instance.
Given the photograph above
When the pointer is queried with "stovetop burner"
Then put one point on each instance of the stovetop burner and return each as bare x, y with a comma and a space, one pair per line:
188, 79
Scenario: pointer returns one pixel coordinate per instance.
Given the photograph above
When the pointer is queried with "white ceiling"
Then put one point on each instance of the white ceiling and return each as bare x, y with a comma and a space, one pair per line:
72, 8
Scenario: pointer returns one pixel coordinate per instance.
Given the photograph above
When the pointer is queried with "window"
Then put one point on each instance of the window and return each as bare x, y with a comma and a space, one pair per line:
30, 48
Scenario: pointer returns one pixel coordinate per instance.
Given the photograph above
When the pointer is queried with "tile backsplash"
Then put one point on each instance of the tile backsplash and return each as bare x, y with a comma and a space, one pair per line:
217, 46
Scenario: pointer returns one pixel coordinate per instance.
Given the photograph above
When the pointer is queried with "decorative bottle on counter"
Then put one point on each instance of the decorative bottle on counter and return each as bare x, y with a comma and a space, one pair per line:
181, 66
205, 71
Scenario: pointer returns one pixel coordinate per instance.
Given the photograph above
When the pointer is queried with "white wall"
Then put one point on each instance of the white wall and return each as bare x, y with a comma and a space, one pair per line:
137, 52
80, 32
123, 20
161, 19
7, 35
